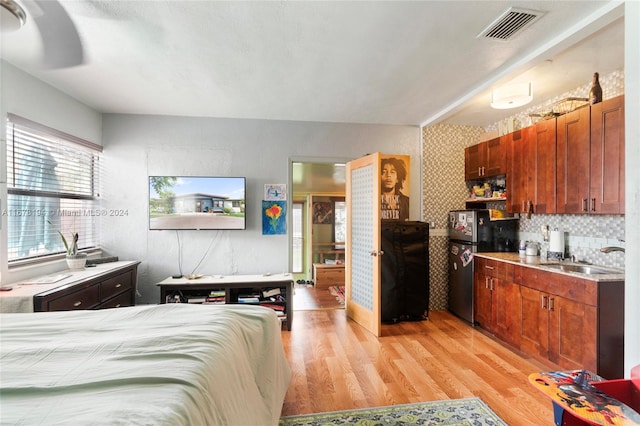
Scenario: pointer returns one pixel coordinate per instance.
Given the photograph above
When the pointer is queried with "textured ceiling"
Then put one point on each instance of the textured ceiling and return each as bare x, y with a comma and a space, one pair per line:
388, 62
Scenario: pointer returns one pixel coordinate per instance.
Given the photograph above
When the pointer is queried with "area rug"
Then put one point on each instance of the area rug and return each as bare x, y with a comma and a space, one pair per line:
458, 412
338, 292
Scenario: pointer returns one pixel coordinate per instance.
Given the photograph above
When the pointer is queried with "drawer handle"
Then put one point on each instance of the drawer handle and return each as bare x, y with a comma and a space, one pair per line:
118, 285
488, 267
118, 305
78, 303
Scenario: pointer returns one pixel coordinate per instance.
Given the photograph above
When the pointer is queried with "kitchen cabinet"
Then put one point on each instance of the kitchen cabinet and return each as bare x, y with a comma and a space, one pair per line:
531, 169
590, 166
607, 157
497, 300
485, 159
573, 322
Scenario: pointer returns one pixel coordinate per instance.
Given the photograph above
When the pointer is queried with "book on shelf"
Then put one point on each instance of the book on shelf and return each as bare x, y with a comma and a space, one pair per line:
248, 299
270, 292
217, 293
273, 306
196, 299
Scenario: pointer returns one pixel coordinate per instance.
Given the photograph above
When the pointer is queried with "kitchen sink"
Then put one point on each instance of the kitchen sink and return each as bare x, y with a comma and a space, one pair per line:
583, 269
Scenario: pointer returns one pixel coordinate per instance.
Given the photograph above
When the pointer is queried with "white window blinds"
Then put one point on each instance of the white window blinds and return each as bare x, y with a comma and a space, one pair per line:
53, 185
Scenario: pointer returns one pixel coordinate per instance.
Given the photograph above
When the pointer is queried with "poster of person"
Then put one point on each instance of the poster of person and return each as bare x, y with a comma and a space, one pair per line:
394, 197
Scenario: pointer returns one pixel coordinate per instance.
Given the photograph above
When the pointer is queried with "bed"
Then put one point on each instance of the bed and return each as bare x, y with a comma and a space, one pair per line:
171, 364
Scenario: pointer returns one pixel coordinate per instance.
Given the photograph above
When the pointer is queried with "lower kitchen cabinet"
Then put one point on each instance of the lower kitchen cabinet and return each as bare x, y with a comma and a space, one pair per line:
497, 300
573, 322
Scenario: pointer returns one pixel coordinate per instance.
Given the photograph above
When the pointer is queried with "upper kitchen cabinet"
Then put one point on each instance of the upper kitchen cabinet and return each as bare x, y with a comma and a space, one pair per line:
531, 169
607, 156
573, 149
590, 166
485, 159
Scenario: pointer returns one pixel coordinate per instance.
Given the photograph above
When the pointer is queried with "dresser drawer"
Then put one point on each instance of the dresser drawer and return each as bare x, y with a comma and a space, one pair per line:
116, 285
121, 300
87, 298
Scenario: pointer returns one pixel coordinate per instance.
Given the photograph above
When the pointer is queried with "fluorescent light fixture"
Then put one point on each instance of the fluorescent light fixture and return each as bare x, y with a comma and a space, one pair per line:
511, 96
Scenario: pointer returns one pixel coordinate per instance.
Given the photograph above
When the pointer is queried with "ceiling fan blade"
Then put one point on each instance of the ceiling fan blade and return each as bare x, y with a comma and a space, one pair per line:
60, 39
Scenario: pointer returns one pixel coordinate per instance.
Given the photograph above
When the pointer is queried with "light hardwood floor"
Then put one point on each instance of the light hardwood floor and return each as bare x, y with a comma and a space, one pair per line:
337, 365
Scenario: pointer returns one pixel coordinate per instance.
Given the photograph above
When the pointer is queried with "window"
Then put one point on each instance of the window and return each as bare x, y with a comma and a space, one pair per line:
52, 185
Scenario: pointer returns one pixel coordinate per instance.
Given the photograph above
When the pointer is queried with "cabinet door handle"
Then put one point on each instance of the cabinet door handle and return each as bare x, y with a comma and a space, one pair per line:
551, 304
593, 204
491, 288
486, 282
544, 302
584, 205
78, 303
118, 285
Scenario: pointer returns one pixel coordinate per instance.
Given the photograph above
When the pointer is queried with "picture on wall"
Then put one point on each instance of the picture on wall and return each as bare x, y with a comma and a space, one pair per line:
274, 217
394, 187
275, 191
322, 213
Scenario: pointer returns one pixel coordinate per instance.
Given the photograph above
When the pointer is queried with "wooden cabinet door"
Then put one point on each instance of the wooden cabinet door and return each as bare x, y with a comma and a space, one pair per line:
516, 172
572, 334
474, 159
607, 157
573, 164
496, 157
482, 295
534, 330
506, 311
544, 171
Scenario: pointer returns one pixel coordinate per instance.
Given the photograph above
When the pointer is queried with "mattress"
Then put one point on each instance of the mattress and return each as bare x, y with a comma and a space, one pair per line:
171, 364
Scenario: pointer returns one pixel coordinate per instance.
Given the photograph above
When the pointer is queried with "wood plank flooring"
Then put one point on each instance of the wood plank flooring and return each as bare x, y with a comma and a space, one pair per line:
337, 365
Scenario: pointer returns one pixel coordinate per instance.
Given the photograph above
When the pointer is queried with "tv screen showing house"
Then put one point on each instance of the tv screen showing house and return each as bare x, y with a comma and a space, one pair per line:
196, 202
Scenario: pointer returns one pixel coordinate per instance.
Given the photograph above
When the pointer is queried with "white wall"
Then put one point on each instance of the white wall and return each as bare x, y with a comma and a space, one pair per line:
24, 95
138, 146
632, 178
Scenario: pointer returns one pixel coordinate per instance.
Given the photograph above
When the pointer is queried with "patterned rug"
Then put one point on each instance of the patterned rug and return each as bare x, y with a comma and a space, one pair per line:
458, 412
338, 292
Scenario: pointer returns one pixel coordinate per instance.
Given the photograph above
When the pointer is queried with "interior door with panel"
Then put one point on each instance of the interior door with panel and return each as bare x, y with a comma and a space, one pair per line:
362, 277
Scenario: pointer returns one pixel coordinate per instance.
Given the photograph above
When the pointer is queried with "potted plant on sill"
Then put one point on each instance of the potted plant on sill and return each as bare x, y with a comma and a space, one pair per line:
75, 260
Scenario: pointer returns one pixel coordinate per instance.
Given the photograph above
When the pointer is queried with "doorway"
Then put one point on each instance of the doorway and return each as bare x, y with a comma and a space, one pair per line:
316, 180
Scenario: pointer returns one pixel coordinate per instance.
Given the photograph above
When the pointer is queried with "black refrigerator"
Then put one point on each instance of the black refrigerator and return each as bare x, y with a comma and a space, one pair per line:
473, 231
404, 271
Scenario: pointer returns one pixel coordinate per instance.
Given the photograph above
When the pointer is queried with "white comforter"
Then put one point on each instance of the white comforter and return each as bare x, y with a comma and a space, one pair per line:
173, 364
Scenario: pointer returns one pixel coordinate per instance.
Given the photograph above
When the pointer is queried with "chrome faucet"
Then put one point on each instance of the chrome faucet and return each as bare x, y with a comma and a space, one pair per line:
611, 248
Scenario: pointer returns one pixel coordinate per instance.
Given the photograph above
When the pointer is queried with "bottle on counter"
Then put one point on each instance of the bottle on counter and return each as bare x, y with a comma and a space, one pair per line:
595, 94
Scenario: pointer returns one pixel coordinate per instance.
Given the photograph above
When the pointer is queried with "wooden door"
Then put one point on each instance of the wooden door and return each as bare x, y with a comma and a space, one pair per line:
545, 167
534, 324
474, 158
482, 294
573, 165
496, 156
607, 157
362, 269
519, 154
506, 310
572, 334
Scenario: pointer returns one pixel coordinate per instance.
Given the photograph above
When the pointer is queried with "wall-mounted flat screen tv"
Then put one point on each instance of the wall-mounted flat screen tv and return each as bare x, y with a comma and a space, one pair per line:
196, 202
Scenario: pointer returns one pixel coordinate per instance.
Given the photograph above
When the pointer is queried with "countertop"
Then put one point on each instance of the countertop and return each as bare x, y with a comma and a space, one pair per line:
541, 263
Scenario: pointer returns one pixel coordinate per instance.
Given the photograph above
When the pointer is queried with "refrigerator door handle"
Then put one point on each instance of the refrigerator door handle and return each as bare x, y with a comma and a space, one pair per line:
375, 253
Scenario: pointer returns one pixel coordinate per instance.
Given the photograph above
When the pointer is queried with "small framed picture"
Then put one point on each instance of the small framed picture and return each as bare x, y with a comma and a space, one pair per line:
275, 191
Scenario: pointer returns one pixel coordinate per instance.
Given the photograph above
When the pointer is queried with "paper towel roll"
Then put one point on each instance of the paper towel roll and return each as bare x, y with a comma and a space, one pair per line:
556, 241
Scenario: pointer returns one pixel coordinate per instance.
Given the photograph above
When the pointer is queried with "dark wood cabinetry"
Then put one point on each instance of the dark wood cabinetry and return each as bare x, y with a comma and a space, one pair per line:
114, 288
607, 157
496, 304
590, 172
485, 159
531, 169
573, 322
573, 142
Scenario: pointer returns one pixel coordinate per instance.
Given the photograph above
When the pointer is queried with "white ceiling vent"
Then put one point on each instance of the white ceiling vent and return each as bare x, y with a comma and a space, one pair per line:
510, 23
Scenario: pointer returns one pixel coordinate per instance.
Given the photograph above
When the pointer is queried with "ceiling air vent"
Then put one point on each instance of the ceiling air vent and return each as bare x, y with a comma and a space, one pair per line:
511, 22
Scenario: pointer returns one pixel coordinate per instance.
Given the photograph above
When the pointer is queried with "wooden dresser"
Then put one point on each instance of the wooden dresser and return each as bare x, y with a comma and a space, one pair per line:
107, 285
325, 275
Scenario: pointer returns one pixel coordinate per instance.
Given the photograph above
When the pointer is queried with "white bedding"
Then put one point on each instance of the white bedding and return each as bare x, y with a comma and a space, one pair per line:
173, 364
